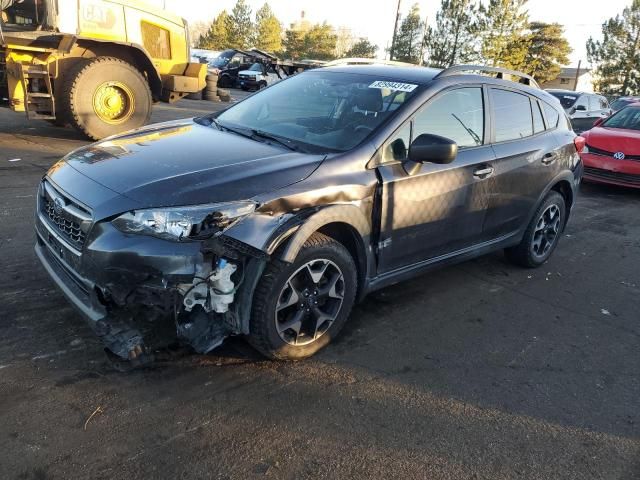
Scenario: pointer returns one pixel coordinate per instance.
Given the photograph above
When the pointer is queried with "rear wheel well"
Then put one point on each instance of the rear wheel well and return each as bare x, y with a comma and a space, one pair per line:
563, 187
350, 239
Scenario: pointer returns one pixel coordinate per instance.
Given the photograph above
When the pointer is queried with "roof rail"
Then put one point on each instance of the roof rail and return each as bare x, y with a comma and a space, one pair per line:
458, 69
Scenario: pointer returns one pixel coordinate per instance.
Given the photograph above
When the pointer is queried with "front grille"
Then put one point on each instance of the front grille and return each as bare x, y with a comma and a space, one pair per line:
612, 176
599, 151
246, 77
70, 219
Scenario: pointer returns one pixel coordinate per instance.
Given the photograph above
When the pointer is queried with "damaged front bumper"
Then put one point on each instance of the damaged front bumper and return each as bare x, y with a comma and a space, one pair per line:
195, 283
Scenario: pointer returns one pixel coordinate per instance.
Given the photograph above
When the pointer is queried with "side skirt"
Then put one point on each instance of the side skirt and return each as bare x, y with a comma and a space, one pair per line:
404, 273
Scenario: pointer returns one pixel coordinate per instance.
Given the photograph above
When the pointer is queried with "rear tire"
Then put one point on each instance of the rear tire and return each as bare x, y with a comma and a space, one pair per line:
104, 96
286, 294
542, 234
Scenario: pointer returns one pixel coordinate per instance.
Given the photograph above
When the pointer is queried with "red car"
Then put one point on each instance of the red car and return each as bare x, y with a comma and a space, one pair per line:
612, 151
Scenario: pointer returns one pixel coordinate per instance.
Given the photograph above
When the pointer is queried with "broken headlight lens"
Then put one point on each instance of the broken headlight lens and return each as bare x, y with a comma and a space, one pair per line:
178, 223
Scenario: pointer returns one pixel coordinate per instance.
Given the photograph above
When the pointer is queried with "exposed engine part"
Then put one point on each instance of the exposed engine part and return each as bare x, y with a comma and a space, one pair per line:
201, 330
212, 289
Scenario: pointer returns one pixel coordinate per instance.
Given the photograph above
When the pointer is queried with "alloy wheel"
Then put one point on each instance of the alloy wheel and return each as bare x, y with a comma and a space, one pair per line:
309, 302
546, 232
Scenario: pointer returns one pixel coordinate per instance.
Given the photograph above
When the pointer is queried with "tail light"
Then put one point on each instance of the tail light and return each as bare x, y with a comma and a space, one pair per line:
580, 143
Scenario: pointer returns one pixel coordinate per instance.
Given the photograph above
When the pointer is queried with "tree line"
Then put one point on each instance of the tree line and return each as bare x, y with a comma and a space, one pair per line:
497, 33
240, 29
494, 33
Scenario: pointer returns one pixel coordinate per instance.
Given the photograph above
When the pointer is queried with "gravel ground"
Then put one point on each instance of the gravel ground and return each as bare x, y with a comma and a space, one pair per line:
477, 371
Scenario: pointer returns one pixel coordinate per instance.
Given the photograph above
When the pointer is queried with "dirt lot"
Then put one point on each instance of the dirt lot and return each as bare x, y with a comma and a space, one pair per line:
482, 370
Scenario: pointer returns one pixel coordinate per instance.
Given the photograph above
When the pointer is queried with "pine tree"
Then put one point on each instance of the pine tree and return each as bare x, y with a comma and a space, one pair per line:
408, 42
501, 26
548, 51
453, 40
217, 38
317, 42
362, 49
241, 26
268, 32
617, 56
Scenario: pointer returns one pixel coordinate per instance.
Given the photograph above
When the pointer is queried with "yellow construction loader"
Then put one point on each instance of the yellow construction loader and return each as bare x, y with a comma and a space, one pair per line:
97, 65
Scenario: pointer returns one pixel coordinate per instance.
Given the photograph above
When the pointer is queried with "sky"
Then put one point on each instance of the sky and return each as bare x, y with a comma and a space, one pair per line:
374, 18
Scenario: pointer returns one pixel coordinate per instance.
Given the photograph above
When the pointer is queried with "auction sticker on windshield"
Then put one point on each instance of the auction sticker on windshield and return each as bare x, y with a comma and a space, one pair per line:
402, 87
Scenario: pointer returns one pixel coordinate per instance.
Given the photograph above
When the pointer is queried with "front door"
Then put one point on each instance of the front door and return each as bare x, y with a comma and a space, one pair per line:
438, 209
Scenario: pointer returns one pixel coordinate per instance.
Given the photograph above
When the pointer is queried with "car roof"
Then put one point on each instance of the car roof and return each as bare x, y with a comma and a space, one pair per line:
419, 75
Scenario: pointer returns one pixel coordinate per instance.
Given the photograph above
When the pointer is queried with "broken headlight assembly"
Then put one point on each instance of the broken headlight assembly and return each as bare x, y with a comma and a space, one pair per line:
178, 223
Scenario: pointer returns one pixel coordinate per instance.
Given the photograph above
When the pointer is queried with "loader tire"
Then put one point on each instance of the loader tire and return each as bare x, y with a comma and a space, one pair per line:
103, 96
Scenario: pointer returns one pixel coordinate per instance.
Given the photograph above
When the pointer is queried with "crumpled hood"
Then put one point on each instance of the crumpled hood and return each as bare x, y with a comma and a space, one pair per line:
614, 140
185, 163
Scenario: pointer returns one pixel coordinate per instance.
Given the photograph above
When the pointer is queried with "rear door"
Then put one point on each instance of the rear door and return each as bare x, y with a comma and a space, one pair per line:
526, 151
438, 209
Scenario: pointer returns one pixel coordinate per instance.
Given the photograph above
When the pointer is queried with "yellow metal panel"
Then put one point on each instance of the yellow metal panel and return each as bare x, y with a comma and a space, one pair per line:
102, 20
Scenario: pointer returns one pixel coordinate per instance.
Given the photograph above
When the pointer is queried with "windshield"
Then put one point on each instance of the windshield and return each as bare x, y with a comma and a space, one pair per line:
621, 103
256, 67
332, 111
219, 62
566, 99
627, 118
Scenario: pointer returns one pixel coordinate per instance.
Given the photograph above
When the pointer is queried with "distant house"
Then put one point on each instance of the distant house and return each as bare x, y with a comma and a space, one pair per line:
567, 80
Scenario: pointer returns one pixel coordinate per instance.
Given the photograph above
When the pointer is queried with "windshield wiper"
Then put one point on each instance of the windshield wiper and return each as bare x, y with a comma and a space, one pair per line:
285, 142
473, 134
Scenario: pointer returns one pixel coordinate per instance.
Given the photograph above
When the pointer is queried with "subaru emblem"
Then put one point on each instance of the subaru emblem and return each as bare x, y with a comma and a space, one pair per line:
58, 205
618, 156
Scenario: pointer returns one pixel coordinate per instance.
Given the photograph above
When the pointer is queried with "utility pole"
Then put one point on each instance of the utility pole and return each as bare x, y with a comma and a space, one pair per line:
575, 85
395, 32
424, 40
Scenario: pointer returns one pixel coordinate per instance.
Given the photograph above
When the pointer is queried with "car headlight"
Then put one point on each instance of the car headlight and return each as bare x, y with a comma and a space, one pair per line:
178, 223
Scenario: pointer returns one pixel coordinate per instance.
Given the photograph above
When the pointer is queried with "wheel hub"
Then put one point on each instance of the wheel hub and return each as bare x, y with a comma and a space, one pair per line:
113, 102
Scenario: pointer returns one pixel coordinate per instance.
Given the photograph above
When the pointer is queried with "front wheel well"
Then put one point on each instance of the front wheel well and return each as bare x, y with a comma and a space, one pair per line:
349, 237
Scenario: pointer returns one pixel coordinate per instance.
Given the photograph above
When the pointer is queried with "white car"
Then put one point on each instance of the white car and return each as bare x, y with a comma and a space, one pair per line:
259, 76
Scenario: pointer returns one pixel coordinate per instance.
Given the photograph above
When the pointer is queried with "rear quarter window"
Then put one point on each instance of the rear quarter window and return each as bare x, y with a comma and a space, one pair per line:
552, 115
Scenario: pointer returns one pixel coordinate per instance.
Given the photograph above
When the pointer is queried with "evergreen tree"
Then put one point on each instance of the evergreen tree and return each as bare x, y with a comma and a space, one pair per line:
217, 38
453, 40
502, 28
617, 56
408, 44
240, 26
548, 51
268, 34
362, 49
317, 42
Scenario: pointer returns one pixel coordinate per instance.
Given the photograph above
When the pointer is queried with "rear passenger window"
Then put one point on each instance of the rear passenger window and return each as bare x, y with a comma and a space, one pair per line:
538, 123
511, 115
553, 117
457, 115
604, 104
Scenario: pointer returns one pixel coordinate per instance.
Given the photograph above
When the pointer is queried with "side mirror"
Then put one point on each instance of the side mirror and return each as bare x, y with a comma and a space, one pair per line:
433, 148
581, 108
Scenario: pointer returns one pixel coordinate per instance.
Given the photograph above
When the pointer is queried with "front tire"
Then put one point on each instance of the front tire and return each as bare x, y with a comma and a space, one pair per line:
299, 308
104, 96
542, 234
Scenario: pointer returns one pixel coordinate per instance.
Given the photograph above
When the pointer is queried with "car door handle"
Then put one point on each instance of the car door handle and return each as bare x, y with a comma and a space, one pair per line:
549, 158
483, 172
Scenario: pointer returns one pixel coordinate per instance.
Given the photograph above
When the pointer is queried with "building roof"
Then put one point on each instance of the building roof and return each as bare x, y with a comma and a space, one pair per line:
571, 72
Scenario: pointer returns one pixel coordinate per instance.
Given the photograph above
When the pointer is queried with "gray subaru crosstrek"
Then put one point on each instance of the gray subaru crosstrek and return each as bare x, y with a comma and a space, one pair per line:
271, 218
